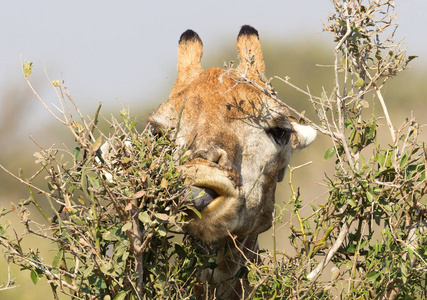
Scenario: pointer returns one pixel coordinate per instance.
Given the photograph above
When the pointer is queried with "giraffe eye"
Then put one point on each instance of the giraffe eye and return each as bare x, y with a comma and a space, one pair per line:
280, 135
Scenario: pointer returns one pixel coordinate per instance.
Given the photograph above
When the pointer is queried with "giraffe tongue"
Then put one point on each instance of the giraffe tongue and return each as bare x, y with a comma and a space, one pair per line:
201, 197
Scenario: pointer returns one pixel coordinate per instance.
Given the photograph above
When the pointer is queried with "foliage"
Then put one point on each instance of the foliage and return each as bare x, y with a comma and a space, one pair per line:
113, 214
372, 226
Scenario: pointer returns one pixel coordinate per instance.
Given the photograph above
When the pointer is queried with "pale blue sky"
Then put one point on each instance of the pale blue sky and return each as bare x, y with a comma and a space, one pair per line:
127, 49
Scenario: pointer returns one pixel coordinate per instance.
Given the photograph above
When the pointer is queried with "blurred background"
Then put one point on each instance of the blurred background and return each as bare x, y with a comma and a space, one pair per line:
111, 50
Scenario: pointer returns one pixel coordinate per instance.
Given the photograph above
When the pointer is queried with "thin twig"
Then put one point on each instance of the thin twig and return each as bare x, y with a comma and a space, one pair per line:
387, 116
313, 275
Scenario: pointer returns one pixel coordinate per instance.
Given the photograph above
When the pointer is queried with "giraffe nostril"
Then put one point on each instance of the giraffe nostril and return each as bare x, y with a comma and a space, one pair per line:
215, 155
224, 159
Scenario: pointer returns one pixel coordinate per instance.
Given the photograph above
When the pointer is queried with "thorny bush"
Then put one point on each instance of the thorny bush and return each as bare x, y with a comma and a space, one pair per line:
370, 230
111, 215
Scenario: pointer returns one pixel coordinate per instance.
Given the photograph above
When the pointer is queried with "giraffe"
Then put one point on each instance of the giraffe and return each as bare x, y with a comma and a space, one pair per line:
239, 142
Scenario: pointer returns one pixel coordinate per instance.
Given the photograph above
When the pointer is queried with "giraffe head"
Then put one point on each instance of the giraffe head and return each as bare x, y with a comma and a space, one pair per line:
239, 139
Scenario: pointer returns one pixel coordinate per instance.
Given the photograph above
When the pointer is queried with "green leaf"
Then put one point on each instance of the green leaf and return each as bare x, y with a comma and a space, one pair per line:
109, 236
351, 248
329, 153
359, 83
125, 255
307, 225
351, 202
411, 57
144, 217
78, 221
378, 55
403, 161
371, 196
58, 258
7, 223
34, 276
162, 230
180, 251
132, 124
252, 277
404, 274
105, 269
388, 208
119, 250
411, 254
28, 68
373, 275
196, 211
81, 200
120, 296
344, 62
94, 180
83, 181
363, 244
123, 113
127, 226
88, 271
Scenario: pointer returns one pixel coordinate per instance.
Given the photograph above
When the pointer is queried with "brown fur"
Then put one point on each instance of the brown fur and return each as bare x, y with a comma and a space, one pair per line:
229, 130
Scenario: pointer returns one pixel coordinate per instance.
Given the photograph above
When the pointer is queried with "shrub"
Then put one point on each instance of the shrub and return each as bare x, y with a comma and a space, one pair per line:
112, 215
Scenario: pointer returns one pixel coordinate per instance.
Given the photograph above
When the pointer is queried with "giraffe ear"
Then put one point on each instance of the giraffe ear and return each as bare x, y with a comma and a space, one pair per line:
304, 135
190, 51
250, 54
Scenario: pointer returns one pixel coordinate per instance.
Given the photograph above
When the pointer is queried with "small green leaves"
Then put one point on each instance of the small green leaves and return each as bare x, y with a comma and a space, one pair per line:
198, 214
76, 153
180, 251
34, 277
351, 202
403, 161
378, 55
88, 271
144, 217
359, 82
329, 153
373, 275
161, 229
371, 196
58, 258
410, 58
127, 226
27, 67
2, 231
120, 296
